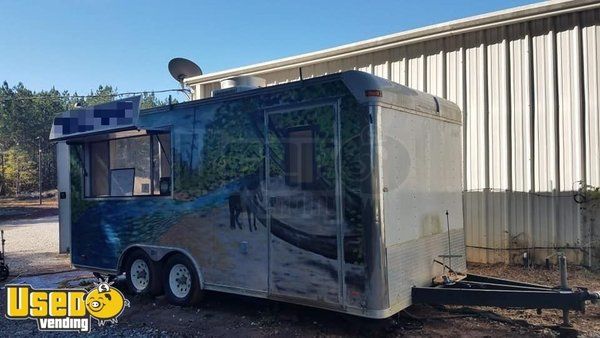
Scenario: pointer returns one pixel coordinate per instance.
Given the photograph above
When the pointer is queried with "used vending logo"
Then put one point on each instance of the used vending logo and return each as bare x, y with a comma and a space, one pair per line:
65, 310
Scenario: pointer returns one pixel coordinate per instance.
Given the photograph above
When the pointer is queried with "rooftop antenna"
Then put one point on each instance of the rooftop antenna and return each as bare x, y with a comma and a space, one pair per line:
181, 69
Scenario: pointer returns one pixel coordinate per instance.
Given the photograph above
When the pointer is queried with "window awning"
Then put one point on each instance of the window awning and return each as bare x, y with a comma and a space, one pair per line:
118, 115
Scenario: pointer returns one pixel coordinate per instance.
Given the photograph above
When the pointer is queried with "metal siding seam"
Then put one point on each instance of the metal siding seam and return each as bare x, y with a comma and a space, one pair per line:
593, 107
590, 52
418, 69
470, 167
557, 171
568, 47
515, 211
515, 150
389, 66
468, 224
308, 71
483, 109
334, 66
509, 116
532, 102
583, 99
489, 230
380, 63
199, 92
475, 128
348, 64
423, 68
550, 212
495, 221
509, 111
425, 71
594, 120
394, 65
320, 69
540, 52
405, 62
578, 148
556, 108
563, 90
583, 148
434, 75
397, 66
410, 60
444, 68
465, 111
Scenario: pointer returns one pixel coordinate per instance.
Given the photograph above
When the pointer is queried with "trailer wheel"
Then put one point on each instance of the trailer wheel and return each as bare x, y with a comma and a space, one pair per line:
181, 281
142, 274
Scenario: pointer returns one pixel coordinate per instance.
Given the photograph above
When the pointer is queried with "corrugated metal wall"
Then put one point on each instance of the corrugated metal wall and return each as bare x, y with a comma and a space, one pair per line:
530, 96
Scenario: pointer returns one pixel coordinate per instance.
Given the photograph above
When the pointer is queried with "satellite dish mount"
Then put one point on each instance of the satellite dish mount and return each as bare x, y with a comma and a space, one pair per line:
181, 69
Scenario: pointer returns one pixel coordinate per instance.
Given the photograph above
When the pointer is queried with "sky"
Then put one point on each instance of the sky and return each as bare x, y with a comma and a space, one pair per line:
78, 45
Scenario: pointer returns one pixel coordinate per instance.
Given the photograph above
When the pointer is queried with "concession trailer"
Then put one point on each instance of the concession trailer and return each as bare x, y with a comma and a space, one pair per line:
338, 192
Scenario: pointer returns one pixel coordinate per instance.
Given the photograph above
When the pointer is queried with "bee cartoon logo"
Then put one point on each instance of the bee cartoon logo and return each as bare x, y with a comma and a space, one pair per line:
65, 309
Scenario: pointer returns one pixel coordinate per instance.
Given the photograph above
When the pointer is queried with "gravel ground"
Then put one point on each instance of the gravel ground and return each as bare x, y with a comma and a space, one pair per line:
32, 246
586, 324
224, 315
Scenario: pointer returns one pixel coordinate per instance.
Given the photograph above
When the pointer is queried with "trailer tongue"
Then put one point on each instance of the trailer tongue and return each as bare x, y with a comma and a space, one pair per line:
475, 290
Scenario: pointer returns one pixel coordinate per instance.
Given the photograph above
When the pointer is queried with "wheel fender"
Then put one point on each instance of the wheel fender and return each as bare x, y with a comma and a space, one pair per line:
156, 253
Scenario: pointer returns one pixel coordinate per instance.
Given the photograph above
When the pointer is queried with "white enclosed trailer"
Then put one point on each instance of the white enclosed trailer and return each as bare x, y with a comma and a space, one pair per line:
337, 192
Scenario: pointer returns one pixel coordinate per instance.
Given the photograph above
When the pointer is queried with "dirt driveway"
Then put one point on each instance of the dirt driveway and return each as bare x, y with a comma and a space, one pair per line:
223, 315
32, 246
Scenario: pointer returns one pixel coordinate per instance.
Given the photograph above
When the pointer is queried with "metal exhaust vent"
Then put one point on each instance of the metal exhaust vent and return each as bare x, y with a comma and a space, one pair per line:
239, 84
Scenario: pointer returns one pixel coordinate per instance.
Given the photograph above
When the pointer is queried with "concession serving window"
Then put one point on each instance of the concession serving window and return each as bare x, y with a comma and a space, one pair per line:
129, 166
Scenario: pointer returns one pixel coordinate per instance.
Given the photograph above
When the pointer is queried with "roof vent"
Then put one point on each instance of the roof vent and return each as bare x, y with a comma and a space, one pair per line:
239, 84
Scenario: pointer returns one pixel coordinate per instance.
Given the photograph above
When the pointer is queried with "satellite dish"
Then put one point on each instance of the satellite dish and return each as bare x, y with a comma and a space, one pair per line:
181, 68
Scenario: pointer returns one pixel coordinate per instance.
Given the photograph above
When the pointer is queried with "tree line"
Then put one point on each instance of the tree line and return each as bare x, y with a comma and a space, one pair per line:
25, 121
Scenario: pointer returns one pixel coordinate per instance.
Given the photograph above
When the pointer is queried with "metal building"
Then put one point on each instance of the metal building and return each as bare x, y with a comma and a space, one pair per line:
528, 82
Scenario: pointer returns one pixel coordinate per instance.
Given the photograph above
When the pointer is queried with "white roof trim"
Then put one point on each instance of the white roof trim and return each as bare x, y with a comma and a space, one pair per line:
499, 18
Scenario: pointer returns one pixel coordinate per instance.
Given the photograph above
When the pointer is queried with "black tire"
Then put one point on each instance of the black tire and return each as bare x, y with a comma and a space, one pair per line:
152, 285
176, 294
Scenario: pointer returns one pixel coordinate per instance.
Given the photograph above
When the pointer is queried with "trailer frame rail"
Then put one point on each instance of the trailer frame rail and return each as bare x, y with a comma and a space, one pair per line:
476, 290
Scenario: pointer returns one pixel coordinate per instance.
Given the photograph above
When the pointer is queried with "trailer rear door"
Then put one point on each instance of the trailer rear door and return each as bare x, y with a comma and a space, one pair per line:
303, 203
